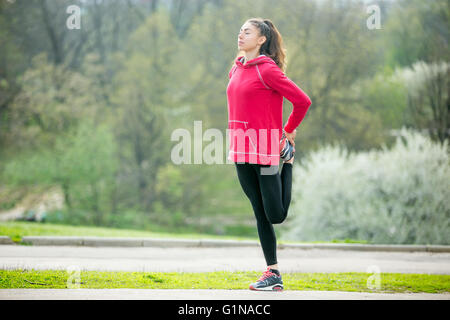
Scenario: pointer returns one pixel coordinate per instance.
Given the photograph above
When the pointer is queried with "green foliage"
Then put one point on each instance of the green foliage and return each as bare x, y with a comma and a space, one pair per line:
83, 163
143, 91
417, 30
428, 97
385, 96
52, 101
91, 111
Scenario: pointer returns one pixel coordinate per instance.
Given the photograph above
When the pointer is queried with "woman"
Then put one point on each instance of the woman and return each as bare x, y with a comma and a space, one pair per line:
255, 110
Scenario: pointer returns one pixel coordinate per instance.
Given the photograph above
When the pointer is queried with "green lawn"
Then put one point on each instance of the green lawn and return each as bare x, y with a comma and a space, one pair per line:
17, 229
349, 281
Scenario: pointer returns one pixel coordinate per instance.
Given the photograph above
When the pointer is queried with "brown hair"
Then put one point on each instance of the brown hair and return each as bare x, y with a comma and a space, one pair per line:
273, 46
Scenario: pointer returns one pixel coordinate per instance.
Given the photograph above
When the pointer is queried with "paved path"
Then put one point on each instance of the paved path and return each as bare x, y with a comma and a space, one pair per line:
219, 259
177, 294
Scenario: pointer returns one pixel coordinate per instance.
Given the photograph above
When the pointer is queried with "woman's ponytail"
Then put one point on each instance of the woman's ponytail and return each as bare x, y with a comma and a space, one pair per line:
273, 46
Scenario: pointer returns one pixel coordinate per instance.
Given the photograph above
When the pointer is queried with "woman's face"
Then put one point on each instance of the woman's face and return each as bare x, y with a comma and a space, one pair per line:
249, 38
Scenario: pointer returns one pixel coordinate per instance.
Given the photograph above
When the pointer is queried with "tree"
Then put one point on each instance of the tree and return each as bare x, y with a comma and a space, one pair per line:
83, 162
142, 95
428, 97
52, 100
418, 30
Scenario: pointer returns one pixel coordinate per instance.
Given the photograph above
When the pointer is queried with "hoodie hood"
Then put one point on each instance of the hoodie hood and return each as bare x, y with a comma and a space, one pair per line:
258, 60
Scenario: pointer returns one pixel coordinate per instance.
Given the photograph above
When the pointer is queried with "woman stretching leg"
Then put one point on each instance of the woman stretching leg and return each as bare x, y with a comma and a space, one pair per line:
255, 110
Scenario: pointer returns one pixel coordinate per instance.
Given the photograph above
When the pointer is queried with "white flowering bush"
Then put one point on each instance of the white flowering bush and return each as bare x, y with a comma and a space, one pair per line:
398, 195
420, 74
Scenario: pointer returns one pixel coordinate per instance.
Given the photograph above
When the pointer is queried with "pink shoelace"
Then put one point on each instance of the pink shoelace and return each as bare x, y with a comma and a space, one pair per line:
266, 274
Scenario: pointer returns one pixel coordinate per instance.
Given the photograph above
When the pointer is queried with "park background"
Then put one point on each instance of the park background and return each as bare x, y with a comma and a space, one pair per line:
86, 117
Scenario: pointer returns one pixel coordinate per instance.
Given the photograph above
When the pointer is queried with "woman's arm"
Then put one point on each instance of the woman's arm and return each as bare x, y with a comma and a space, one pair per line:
275, 78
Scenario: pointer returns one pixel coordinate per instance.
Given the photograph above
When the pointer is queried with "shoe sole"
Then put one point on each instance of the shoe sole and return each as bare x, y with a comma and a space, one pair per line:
286, 147
275, 287
288, 151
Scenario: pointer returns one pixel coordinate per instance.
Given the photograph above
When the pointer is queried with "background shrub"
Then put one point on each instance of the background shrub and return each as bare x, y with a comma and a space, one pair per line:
398, 195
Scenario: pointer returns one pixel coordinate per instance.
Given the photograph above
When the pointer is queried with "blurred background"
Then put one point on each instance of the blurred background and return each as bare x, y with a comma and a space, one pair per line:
87, 112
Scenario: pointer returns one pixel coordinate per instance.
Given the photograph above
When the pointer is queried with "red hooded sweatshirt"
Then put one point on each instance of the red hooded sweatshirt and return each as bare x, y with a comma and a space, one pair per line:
255, 110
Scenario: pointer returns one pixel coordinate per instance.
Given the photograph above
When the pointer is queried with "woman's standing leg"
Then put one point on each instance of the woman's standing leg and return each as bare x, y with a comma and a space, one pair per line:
276, 191
248, 177
263, 189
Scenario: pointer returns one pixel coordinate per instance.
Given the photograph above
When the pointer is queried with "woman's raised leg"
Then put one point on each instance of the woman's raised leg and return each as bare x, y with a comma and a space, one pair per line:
276, 192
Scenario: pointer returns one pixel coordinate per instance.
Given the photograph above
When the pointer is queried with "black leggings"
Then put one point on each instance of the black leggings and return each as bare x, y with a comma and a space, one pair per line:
270, 195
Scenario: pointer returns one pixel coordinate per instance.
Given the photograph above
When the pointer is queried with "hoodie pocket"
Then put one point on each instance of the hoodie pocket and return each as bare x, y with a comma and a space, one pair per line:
244, 125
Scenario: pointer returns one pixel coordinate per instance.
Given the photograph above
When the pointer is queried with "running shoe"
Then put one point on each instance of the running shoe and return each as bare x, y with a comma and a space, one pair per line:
269, 281
286, 149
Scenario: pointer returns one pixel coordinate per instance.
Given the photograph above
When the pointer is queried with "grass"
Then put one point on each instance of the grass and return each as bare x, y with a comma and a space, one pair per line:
348, 281
18, 229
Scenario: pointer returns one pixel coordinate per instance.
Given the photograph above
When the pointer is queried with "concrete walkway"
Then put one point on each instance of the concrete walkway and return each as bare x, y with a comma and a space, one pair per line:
219, 259
214, 243
176, 294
